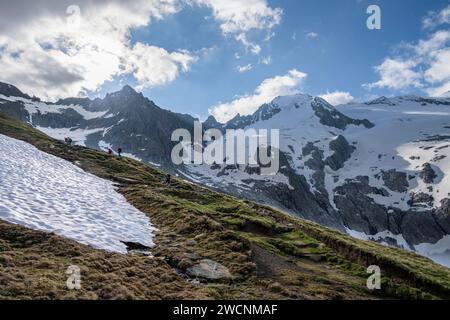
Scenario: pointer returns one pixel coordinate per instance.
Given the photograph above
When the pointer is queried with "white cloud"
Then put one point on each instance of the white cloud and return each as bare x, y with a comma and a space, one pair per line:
52, 55
440, 91
397, 74
312, 35
241, 16
439, 69
423, 65
434, 19
268, 90
267, 60
338, 97
245, 68
249, 46
238, 17
153, 66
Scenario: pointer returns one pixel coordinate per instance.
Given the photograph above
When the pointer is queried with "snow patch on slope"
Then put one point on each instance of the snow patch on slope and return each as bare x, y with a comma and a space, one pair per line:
46, 193
34, 107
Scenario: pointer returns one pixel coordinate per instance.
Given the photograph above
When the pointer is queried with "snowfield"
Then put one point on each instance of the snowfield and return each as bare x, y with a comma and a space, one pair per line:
46, 193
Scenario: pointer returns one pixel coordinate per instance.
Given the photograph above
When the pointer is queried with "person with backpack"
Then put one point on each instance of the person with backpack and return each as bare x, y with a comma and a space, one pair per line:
119, 152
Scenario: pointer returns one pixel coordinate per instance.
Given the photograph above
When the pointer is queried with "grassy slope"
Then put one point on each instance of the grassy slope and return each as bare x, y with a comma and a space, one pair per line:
270, 254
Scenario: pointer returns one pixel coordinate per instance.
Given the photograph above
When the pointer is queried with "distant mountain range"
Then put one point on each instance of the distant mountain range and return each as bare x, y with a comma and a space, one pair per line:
378, 170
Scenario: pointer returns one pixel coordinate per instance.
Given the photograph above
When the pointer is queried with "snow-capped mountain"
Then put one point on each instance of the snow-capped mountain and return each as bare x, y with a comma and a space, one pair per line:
124, 119
377, 170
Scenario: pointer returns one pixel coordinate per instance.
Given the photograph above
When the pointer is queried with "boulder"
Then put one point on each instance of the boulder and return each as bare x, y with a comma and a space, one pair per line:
209, 270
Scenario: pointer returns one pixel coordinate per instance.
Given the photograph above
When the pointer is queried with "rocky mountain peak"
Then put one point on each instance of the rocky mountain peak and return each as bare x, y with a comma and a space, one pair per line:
11, 91
381, 100
126, 92
211, 122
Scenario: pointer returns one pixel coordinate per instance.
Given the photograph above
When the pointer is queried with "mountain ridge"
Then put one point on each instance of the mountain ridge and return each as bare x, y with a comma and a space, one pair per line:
266, 252
365, 168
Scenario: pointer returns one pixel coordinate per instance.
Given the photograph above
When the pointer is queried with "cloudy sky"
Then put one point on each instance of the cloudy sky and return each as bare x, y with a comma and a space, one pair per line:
224, 57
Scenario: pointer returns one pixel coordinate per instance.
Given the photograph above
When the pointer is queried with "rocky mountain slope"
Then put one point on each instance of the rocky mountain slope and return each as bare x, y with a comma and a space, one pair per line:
376, 170
208, 245
122, 119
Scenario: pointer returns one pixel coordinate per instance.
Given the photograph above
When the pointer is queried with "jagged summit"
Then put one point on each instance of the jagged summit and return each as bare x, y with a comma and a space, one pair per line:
127, 89
126, 92
212, 123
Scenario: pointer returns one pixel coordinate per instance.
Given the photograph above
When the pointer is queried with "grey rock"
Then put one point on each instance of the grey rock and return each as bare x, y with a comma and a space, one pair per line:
428, 174
342, 152
420, 199
395, 180
209, 270
331, 117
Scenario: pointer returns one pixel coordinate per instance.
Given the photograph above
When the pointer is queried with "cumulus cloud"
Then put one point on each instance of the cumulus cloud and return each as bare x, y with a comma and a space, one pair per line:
54, 55
238, 17
338, 97
53, 52
397, 74
268, 90
423, 64
153, 66
312, 35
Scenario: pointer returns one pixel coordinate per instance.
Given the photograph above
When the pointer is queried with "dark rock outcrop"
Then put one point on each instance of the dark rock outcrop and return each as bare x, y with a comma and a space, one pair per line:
428, 174
342, 152
11, 91
331, 117
395, 180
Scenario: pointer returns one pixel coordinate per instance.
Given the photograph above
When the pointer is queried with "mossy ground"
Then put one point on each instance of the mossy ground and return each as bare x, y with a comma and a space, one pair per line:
271, 255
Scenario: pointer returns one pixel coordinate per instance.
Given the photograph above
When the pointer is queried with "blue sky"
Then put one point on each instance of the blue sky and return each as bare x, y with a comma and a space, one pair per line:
315, 47
341, 57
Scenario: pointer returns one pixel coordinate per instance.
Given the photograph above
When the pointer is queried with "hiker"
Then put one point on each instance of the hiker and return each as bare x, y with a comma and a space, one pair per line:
110, 152
68, 141
119, 151
168, 178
